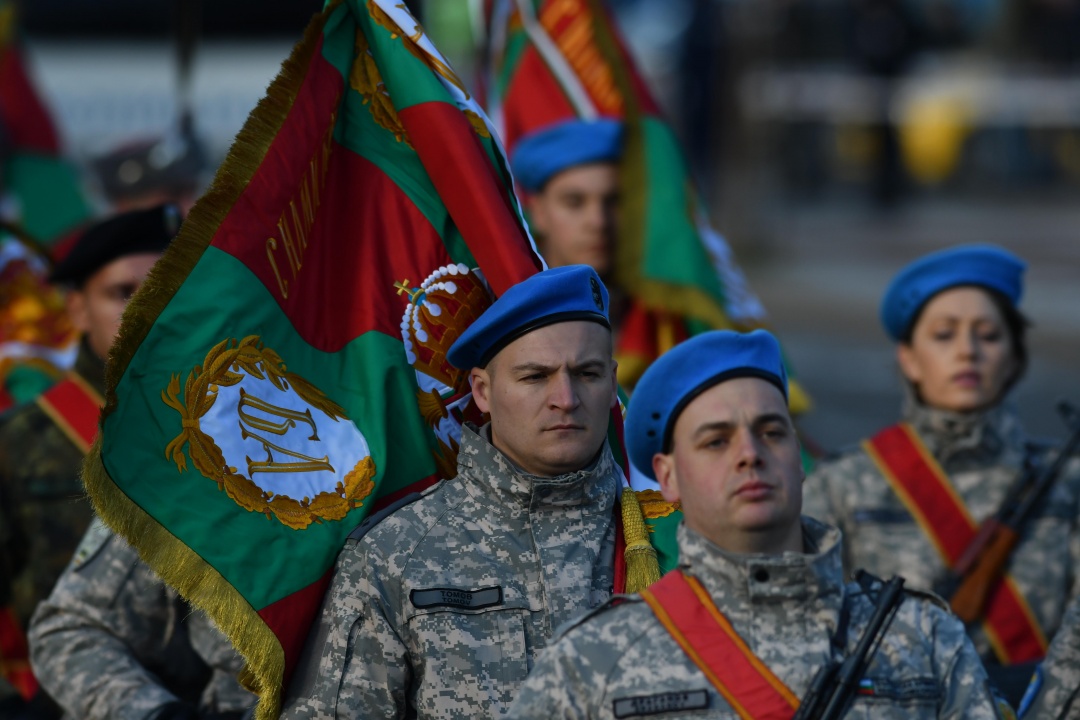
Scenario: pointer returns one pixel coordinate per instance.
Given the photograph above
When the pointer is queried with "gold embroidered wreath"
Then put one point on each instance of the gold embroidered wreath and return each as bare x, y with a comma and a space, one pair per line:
225, 365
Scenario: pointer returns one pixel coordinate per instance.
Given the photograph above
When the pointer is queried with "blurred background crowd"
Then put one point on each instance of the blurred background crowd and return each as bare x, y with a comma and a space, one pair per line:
835, 140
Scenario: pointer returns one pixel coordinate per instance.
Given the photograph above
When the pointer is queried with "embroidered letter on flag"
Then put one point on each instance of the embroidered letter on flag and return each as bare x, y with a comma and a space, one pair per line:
284, 371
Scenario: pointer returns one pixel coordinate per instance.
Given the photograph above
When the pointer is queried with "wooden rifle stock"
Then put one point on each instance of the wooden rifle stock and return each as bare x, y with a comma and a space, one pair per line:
969, 600
983, 563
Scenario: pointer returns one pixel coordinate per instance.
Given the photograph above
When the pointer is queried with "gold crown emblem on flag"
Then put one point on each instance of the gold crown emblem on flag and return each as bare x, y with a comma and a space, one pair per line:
446, 303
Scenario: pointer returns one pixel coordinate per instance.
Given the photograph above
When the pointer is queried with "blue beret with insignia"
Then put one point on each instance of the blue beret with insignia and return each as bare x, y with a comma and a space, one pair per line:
542, 154
684, 372
985, 266
573, 292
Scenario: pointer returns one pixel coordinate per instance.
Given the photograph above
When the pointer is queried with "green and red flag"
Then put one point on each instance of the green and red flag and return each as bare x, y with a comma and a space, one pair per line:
283, 370
41, 184
556, 60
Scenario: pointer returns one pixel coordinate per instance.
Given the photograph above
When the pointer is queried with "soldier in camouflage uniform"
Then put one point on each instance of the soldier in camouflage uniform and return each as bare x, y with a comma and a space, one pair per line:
709, 420
439, 610
40, 454
114, 642
963, 300
1054, 693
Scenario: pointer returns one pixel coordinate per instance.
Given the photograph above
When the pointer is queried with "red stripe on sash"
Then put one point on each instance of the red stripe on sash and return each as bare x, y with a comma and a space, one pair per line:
924, 488
75, 407
685, 609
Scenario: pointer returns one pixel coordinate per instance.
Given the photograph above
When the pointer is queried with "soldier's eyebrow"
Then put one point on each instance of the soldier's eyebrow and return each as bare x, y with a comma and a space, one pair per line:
728, 426
532, 367
536, 367
769, 418
716, 426
590, 364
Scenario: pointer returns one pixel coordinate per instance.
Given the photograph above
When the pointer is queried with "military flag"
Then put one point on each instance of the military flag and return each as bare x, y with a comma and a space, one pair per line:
283, 370
556, 60
41, 187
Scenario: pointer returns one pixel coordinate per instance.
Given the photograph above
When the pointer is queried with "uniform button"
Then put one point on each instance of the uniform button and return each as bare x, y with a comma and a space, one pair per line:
761, 575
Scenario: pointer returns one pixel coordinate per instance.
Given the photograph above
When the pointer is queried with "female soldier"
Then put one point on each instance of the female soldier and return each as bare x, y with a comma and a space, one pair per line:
910, 499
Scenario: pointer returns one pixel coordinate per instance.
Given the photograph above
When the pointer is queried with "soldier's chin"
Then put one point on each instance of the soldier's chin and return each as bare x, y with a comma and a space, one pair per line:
568, 457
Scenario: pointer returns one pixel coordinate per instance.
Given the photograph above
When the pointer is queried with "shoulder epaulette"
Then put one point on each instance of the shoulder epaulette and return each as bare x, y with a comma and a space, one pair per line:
613, 601
377, 517
868, 581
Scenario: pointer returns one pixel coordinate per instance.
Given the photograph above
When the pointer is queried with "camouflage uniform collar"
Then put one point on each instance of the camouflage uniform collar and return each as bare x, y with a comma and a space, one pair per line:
90, 367
496, 477
979, 437
816, 575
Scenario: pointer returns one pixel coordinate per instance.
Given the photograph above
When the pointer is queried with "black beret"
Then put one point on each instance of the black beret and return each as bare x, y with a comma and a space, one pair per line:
138, 231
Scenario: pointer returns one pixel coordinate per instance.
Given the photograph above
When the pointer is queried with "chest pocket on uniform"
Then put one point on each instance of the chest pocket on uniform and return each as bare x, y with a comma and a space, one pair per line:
470, 646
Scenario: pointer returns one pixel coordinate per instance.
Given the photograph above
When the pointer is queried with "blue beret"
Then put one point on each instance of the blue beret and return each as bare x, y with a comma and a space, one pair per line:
684, 372
542, 154
983, 265
573, 292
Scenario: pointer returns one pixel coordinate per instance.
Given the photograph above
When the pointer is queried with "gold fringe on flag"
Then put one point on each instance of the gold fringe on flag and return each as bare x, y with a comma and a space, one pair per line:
171, 559
642, 566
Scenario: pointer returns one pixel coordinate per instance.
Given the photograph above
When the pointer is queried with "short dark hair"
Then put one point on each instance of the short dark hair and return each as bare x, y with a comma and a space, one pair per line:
1015, 321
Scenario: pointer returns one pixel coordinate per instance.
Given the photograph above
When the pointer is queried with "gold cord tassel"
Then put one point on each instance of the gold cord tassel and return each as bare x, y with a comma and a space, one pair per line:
642, 567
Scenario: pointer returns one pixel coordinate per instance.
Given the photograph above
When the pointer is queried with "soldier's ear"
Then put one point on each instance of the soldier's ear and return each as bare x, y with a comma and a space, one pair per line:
75, 300
910, 366
664, 469
480, 380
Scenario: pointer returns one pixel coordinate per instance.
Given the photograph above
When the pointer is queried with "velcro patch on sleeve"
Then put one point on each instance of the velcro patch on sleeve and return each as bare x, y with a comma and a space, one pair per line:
457, 598
661, 703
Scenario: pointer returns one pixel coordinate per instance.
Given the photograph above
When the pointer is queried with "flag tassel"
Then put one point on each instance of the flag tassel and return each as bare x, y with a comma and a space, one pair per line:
642, 565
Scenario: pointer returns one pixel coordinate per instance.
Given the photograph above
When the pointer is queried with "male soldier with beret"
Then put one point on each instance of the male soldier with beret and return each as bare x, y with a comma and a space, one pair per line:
758, 604
42, 443
570, 174
438, 610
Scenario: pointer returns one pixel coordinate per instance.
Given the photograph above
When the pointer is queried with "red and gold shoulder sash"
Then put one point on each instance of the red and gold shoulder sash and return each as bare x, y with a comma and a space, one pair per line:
75, 407
684, 608
924, 488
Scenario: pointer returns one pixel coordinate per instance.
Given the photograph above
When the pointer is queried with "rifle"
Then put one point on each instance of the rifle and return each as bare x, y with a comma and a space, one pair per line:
834, 685
983, 562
